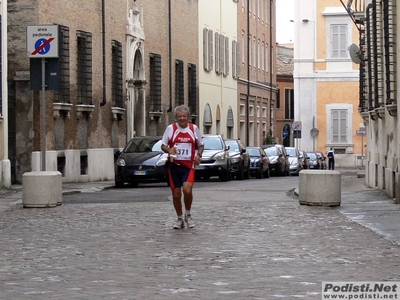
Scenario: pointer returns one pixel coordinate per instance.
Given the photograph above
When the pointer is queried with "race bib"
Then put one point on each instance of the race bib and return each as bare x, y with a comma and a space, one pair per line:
184, 151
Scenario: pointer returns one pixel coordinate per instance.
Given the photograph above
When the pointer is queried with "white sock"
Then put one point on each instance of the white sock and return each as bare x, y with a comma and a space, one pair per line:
187, 212
180, 217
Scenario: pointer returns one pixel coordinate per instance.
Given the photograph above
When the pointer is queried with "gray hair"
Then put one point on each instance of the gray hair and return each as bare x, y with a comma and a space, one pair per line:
182, 108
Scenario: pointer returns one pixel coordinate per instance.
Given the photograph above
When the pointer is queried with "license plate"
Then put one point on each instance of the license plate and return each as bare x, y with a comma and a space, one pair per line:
199, 167
140, 173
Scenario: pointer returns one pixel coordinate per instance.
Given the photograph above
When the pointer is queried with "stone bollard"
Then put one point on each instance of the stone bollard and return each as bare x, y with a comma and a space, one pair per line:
41, 189
320, 187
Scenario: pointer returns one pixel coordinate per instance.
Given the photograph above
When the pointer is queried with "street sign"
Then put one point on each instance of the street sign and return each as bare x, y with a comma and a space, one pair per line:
296, 125
361, 132
42, 41
314, 132
297, 134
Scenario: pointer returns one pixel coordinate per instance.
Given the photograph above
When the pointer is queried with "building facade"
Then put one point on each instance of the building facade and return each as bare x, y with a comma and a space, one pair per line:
286, 133
257, 88
376, 55
120, 75
326, 81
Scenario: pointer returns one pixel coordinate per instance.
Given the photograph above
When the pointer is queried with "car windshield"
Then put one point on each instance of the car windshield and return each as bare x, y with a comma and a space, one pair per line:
254, 152
312, 155
272, 151
291, 152
212, 143
143, 145
233, 145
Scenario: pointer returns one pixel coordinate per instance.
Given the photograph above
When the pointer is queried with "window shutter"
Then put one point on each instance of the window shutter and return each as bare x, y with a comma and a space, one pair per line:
217, 53
205, 49
234, 56
210, 49
221, 54
226, 56
238, 60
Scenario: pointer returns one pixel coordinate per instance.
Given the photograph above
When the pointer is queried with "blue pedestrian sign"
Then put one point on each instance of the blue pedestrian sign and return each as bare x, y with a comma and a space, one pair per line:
42, 41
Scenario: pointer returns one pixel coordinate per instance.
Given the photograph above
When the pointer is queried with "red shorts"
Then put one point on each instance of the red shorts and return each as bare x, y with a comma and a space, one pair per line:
179, 174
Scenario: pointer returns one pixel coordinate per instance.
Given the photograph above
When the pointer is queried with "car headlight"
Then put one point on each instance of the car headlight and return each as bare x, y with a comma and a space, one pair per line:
274, 160
220, 155
235, 159
121, 162
161, 162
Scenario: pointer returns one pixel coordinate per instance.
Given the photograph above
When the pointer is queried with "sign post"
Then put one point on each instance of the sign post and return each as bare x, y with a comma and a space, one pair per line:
42, 42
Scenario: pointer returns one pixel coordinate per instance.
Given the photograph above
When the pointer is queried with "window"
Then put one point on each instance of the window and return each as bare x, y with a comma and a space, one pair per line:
338, 41
235, 59
243, 45
217, 53
289, 104
208, 58
62, 95
339, 125
116, 76
84, 67
250, 51
155, 82
179, 83
226, 70
192, 88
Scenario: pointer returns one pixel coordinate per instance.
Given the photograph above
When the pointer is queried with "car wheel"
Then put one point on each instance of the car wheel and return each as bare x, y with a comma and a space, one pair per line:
260, 174
247, 172
119, 184
240, 174
267, 173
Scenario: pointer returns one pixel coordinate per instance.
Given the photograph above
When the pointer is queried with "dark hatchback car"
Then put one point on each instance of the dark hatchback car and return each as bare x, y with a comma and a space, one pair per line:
277, 165
141, 161
314, 162
285, 155
259, 162
240, 161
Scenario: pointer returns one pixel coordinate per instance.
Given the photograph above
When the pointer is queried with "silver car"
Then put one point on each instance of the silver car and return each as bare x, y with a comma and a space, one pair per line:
295, 160
215, 160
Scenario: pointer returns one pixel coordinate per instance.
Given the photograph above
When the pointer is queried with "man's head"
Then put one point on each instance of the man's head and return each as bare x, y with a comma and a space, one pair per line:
182, 113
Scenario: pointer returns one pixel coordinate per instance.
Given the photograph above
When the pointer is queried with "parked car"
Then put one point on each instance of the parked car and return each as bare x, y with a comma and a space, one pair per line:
259, 162
295, 160
322, 159
276, 158
285, 155
314, 162
305, 158
141, 161
240, 161
215, 160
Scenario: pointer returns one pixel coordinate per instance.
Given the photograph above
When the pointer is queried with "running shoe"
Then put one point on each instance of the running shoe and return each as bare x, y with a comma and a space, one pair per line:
179, 224
189, 221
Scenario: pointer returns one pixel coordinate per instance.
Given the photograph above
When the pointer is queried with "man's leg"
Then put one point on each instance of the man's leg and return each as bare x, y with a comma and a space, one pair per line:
188, 194
176, 196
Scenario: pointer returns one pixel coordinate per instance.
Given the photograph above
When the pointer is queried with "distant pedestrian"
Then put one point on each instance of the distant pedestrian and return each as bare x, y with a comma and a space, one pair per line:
180, 141
331, 159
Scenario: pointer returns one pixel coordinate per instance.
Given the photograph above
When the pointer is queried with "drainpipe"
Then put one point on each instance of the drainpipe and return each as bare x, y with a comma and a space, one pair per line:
248, 75
103, 26
170, 56
270, 69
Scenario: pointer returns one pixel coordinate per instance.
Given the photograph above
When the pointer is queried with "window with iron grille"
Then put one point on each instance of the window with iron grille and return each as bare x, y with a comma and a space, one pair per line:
84, 67
179, 83
155, 82
116, 79
192, 88
62, 95
289, 104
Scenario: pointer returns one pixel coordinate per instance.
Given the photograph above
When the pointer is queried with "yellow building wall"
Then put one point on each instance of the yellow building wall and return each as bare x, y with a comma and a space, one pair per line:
338, 92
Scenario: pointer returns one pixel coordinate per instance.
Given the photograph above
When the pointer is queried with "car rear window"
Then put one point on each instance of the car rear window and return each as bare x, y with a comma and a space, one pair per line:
254, 152
233, 146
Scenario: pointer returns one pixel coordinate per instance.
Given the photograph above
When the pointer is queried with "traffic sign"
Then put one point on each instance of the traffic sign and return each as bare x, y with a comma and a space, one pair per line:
314, 132
42, 41
361, 131
296, 125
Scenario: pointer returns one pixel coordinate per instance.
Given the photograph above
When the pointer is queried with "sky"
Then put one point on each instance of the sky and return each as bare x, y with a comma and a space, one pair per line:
284, 28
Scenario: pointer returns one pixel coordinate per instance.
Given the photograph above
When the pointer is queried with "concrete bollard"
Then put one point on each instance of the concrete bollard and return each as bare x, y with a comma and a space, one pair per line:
320, 187
41, 189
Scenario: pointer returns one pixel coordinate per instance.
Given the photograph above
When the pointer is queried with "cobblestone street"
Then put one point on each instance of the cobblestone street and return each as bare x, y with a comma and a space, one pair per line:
247, 244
